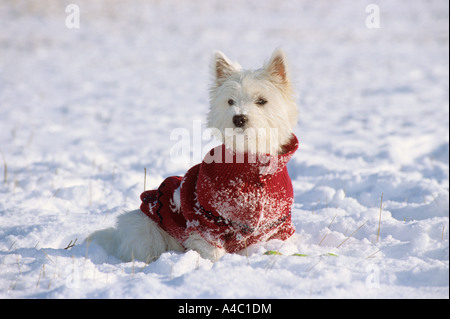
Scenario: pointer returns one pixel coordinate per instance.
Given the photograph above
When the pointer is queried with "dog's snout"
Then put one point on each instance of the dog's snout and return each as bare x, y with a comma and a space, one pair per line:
240, 120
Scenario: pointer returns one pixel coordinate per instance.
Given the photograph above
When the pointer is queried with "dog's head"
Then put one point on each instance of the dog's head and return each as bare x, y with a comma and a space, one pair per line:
252, 110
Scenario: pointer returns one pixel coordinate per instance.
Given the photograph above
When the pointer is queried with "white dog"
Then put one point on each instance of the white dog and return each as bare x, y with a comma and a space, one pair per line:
241, 193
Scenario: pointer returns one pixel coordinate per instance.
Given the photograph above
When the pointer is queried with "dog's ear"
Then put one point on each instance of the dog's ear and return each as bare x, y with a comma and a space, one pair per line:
277, 67
223, 67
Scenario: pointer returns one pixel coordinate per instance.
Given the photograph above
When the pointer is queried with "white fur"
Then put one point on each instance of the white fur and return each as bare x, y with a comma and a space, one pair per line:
136, 236
272, 122
205, 249
268, 128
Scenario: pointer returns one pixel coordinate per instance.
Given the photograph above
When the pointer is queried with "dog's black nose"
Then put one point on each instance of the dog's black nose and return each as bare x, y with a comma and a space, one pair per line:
240, 120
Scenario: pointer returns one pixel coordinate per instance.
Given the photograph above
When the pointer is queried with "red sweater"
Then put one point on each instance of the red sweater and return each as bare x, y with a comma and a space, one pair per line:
230, 200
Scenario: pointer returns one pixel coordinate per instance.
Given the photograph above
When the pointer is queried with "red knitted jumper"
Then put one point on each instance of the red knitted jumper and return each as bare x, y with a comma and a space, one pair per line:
231, 200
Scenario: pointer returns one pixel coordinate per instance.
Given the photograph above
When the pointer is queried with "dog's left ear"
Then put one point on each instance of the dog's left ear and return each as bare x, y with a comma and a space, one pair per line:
277, 67
223, 67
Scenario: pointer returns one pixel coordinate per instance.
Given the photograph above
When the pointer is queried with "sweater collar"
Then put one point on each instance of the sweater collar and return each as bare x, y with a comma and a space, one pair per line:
262, 165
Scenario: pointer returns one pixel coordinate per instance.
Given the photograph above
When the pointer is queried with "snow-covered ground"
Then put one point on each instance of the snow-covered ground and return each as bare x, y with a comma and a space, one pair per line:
84, 110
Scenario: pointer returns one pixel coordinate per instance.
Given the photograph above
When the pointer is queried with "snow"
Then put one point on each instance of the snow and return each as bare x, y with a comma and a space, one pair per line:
84, 110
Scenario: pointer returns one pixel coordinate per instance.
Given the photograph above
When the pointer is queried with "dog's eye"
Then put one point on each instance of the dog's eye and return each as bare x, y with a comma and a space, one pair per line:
230, 102
261, 101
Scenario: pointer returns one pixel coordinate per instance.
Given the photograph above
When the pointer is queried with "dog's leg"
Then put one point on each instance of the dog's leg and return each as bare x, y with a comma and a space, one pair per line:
205, 249
136, 237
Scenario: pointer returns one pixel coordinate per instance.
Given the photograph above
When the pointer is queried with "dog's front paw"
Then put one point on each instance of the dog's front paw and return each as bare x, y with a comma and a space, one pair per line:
205, 249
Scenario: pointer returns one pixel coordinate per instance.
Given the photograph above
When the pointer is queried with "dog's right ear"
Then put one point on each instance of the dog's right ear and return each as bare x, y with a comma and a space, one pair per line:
277, 67
223, 68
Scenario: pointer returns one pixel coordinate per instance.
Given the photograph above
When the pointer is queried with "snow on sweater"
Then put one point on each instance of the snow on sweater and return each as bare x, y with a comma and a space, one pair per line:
231, 200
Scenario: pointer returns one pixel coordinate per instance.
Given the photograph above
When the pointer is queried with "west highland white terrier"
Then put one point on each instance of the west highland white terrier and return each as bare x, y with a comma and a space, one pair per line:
241, 193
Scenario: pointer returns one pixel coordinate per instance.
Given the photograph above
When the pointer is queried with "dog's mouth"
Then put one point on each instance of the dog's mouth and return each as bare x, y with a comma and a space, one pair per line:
239, 130
235, 131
